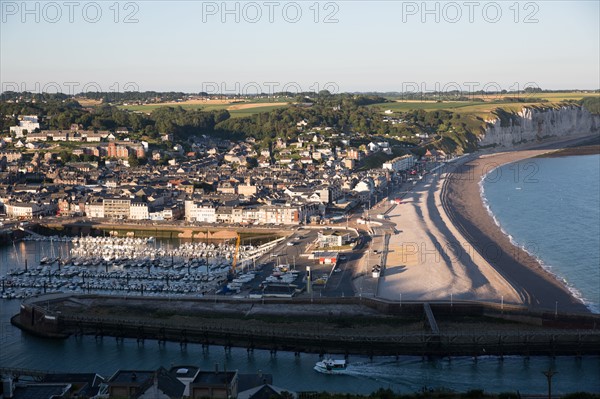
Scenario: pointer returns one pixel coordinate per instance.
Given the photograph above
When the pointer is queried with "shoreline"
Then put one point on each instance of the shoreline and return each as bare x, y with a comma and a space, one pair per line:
561, 279
430, 259
466, 206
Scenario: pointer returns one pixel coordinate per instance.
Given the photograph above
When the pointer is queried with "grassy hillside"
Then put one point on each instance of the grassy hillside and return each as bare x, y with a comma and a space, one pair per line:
455, 125
236, 108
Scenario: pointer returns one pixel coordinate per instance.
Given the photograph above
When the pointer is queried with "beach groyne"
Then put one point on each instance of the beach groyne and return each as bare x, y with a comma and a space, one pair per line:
533, 124
328, 325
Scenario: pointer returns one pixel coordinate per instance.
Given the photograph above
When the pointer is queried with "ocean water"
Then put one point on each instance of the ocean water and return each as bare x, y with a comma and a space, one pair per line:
363, 375
551, 208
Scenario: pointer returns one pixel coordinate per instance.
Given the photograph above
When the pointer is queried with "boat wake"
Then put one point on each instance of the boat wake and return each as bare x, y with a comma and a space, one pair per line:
387, 373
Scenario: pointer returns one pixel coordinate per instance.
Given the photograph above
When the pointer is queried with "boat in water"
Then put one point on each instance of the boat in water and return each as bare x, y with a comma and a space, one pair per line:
331, 366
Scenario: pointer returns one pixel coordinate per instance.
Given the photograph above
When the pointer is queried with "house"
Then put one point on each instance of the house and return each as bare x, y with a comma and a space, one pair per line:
198, 212
27, 124
145, 384
364, 186
264, 162
138, 210
186, 375
28, 210
267, 391
354, 154
332, 238
32, 137
402, 163
302, 124
265, 153
39, 391
85, 385
10, 156
349, 163
214, 384
281, 143
373, 147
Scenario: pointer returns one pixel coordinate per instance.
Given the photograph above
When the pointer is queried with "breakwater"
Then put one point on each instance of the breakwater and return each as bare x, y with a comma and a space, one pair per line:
328, 325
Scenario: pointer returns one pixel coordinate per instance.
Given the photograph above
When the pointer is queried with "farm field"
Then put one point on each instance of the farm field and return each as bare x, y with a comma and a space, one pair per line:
236, 108
483, 109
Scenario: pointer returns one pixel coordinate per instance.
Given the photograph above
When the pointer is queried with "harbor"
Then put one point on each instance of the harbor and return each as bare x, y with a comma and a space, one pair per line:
136, 266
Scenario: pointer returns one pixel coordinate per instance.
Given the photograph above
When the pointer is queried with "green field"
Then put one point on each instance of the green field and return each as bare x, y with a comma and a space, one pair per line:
425, 105
235, 113
483, 109
565, 96
151, 107
240, 113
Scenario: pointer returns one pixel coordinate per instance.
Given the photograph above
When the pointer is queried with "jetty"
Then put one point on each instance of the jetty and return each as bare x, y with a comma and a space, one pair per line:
325, 325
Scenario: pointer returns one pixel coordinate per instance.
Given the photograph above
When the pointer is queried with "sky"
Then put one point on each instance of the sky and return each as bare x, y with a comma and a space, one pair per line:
273, 45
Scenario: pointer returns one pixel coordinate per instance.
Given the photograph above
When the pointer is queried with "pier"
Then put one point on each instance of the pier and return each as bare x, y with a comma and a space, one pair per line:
344, 326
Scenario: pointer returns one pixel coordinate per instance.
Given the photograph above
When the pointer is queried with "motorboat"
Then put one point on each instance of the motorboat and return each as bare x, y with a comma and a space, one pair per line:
331, 366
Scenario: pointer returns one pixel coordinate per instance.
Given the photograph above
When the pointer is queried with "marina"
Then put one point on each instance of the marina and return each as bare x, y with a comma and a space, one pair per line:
134, 266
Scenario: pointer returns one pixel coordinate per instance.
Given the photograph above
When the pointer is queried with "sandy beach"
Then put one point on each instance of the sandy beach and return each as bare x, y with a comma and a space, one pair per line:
449, 247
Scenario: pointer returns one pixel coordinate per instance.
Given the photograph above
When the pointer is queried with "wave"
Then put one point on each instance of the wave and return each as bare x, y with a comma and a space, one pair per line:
548, 268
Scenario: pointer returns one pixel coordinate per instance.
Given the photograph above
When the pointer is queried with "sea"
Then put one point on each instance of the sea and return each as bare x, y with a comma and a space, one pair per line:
550, 207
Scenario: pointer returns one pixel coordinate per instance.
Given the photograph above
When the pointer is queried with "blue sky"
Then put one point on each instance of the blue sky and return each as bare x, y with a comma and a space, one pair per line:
364, 45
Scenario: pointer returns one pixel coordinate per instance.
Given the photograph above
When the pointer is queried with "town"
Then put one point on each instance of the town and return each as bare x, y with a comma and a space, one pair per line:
316, 177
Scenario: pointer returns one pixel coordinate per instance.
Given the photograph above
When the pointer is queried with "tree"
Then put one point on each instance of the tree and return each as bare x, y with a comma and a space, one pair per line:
133, 160
251, 162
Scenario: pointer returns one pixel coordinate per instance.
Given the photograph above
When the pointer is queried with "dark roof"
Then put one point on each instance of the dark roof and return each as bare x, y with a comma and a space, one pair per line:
335, 233
274, 289
248, 381
169, 384
266, 392
190, 372
87, 384
131, 376
40, 391
214, 378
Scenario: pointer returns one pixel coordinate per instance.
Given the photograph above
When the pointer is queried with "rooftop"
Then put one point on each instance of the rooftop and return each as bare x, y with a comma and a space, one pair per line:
131, 376
214, 378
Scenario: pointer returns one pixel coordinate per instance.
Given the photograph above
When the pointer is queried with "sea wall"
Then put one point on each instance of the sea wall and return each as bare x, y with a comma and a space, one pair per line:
533, 124
317, 325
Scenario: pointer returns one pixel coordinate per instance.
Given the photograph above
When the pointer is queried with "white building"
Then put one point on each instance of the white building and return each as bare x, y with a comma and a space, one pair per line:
364, 186
139, 211
95, 210
404, 162
25, 210
195, 212
27, 123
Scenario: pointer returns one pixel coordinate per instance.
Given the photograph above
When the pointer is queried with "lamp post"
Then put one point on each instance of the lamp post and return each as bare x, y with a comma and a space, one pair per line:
549, 374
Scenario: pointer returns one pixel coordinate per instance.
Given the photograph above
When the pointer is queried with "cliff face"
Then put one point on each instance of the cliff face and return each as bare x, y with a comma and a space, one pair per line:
534, 124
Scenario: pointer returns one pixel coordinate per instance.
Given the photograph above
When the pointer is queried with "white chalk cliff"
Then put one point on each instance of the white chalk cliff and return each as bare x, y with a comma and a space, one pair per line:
535, 124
